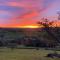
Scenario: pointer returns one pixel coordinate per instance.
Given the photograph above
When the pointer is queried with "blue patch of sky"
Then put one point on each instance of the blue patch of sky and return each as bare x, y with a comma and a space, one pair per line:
17, 10
2, 16
48, 2
9, 8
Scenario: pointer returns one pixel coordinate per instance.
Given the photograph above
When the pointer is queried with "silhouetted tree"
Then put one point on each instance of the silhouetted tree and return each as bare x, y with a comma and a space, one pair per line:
47, 26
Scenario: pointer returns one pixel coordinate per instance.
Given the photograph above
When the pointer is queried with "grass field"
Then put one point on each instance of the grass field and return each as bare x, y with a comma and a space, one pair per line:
25, 54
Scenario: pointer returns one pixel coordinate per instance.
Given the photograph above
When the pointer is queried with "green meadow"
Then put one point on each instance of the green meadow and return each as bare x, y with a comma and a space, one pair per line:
25, 54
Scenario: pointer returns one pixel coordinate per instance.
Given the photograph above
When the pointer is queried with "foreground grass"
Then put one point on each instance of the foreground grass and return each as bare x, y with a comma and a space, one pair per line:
25, 54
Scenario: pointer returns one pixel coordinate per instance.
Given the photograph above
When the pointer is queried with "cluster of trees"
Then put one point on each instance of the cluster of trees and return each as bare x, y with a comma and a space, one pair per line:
53, 32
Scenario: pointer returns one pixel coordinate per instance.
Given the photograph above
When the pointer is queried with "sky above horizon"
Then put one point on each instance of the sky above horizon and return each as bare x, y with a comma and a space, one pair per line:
27, 12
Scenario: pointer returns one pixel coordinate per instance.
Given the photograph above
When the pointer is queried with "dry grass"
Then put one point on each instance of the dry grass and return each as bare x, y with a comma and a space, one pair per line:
24, 54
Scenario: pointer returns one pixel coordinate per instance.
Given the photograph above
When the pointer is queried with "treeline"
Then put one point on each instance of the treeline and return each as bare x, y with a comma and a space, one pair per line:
30, 38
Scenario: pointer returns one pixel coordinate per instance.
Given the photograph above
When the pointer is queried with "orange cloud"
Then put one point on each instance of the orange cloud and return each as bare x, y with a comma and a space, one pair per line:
30, 15
25, 18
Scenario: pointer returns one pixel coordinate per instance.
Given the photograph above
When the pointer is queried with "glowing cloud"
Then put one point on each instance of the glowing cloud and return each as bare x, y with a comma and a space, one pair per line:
26, 12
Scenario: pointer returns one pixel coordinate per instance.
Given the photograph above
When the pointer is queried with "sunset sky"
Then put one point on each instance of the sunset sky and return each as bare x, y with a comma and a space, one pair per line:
14, 13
